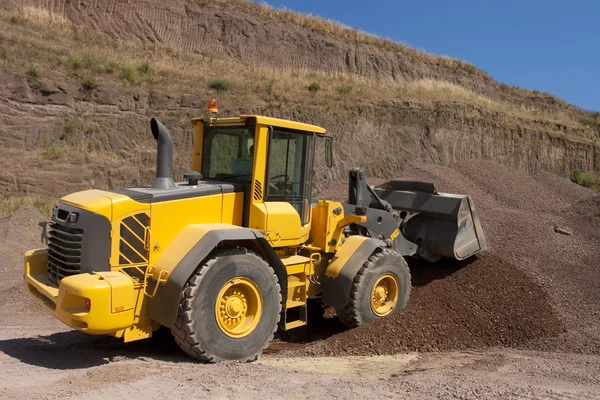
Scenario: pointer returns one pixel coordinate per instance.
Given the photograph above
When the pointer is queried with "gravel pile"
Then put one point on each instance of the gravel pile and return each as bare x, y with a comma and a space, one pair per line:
533, 288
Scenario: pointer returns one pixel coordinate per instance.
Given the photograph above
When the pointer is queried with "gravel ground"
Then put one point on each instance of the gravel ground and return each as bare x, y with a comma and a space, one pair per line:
520, 321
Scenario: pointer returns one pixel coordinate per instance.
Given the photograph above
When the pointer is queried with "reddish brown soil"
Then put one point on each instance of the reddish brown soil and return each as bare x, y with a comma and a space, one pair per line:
486, 302
533, 288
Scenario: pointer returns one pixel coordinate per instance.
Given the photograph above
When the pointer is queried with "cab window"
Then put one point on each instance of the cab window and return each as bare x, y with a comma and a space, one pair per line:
227, 154
289, 173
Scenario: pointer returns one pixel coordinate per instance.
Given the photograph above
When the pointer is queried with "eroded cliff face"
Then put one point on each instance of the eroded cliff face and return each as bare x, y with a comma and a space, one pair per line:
384, 138
113, 146
243, 34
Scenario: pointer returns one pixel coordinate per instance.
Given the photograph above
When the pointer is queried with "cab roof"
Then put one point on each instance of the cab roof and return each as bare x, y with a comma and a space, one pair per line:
281, 123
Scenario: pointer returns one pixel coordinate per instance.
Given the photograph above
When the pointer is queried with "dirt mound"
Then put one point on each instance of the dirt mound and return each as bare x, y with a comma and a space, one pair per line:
534, 287
487, 302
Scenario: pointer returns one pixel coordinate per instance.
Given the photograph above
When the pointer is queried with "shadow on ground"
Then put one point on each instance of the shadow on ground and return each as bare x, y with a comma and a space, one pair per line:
75, 350
423, 272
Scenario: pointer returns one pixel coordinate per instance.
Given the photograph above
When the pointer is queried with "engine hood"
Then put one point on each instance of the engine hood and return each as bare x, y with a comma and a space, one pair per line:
96, 201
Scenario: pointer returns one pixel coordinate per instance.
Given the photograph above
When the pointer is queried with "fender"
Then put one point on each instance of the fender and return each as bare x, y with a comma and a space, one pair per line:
340, 273
188, 250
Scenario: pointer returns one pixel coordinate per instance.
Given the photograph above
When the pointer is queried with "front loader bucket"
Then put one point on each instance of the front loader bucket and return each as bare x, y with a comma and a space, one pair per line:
442, 225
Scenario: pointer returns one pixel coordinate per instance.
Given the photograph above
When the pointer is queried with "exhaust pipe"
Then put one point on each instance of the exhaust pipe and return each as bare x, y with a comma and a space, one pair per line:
164, 156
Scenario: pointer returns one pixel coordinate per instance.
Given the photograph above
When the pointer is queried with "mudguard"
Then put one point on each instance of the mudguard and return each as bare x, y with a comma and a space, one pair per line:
340, 273
188, 250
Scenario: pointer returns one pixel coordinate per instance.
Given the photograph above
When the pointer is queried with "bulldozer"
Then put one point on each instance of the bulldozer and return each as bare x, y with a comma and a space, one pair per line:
239, 249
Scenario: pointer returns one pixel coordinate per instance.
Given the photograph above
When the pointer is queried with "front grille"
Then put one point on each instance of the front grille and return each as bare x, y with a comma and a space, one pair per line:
64, 251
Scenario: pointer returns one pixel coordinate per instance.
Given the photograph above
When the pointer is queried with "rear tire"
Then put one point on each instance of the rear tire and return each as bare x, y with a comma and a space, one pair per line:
380, 288
243, 284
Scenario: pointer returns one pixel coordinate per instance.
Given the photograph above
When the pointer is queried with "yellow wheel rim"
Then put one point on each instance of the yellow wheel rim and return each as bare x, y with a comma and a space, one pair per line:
238, 307
384, 295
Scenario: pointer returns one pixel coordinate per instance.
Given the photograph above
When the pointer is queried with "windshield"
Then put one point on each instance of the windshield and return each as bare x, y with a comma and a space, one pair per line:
227, 153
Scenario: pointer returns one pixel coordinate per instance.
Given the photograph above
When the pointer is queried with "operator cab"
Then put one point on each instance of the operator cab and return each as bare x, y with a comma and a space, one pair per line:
274, 160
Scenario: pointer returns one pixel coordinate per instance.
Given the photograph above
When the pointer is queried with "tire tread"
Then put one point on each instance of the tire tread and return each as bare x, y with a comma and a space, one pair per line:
183, 329
349, 315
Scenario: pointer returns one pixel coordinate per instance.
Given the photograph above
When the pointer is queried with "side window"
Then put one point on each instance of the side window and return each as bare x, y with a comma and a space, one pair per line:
228, 154
223, 149
289, 174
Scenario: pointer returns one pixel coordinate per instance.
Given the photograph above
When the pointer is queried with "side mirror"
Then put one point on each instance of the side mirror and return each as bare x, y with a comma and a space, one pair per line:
329, 151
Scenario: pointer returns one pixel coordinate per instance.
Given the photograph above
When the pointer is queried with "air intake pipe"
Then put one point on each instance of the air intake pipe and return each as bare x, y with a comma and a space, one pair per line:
164, 156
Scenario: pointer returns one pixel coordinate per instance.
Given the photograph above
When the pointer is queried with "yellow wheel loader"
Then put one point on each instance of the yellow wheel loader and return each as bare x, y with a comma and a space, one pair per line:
238, 248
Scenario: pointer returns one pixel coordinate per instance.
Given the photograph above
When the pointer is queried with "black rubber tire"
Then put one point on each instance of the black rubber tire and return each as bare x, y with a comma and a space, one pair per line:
196, 330
358, 309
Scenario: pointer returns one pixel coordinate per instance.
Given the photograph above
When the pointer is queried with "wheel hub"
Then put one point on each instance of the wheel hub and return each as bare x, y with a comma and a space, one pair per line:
238, 307
384, 295
234, 306
380, 294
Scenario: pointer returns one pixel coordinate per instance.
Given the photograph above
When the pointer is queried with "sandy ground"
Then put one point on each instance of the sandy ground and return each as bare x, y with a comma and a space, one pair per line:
43, 360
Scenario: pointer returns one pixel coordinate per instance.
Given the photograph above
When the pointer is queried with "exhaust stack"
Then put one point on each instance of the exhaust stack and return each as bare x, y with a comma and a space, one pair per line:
164, 156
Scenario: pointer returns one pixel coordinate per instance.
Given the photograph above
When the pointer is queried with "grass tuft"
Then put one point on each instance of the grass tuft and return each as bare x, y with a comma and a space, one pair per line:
144, 68
344, 89
269, 88
41, 18
53, 150
89, 84
219, 85
584, 178
129, 73
33, 71
314, 87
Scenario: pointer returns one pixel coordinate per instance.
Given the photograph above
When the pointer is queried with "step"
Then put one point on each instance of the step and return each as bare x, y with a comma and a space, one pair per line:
295, 303
296, 269
294, 324
296, 284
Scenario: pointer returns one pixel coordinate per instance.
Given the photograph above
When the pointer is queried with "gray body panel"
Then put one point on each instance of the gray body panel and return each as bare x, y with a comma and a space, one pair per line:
163, 306
336, 291
90, 250
383, 222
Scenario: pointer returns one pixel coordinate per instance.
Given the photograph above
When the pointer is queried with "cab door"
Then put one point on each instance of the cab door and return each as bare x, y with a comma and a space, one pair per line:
288, 187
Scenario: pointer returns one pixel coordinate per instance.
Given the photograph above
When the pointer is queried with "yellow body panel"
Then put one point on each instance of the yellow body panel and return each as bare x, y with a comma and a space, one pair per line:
233, 208
181, 245
170, 218
105, 203
280, 223
325, 233
259, 169
282, 123
97, 201
106, 292
343, 254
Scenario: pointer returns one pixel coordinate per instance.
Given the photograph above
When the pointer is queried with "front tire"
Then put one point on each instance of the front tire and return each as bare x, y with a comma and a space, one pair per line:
229, 308
380, 288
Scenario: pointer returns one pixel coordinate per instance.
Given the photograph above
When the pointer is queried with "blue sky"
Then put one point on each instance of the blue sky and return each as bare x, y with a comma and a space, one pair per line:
547, 45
